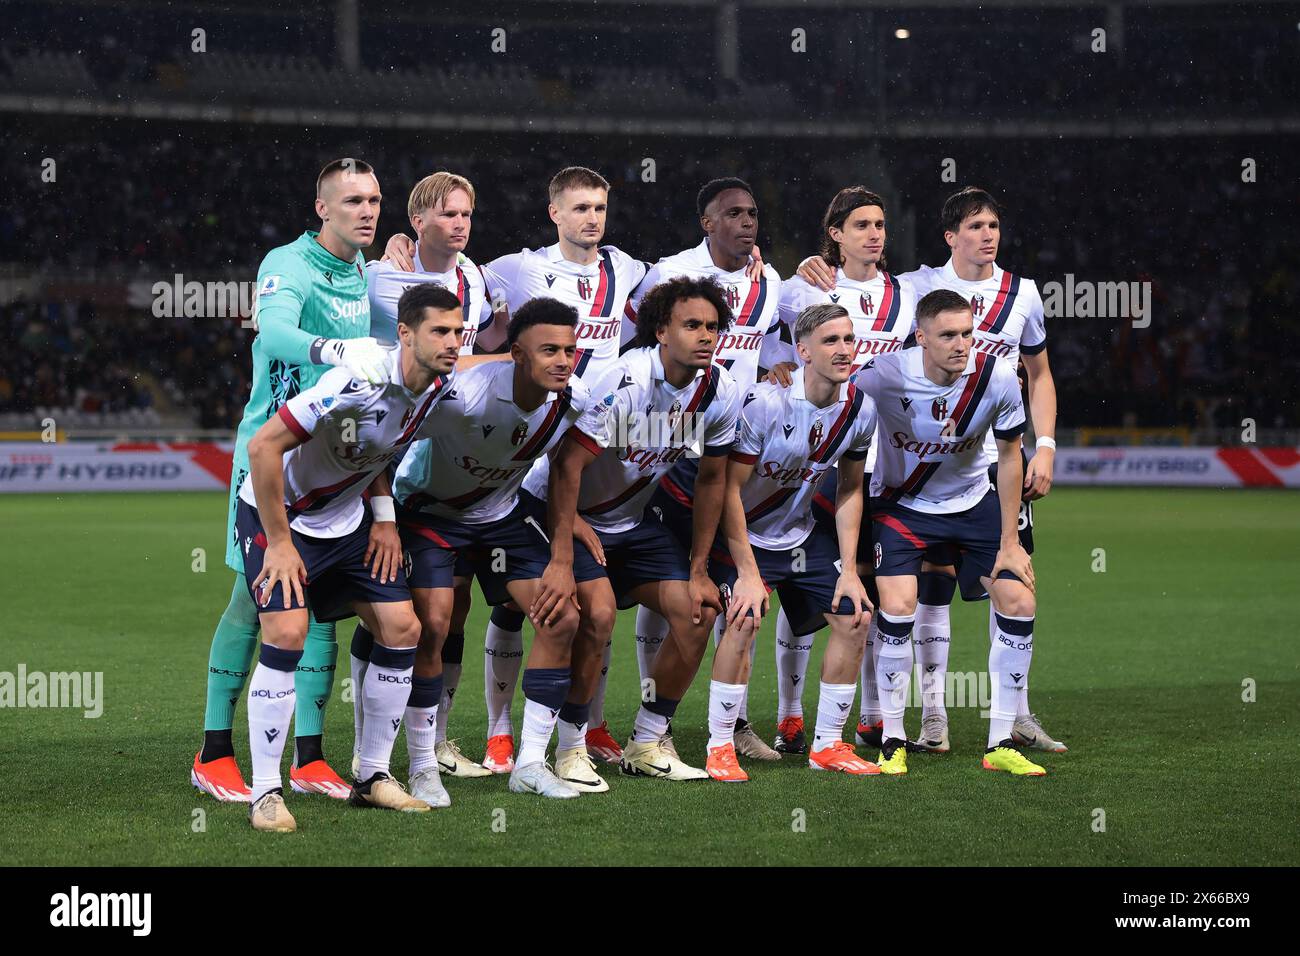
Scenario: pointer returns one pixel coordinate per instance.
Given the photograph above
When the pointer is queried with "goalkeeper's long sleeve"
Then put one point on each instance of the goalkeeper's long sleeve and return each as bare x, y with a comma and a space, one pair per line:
283, 339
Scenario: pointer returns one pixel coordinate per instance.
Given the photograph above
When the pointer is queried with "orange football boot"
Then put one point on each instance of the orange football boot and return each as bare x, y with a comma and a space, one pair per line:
220, 778
317, 777
840, 756
722, 765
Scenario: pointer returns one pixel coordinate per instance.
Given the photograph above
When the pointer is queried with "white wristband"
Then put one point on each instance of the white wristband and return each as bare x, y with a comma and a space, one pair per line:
382, 508
1045, 441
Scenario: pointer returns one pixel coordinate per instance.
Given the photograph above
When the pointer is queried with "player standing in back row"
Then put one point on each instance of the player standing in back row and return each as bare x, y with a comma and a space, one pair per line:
1008, 314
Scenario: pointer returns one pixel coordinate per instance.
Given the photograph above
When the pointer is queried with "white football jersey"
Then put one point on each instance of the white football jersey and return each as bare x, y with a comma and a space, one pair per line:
598, 291
350, 431
792, 444
883, 311
484, 444
1008, 315
744, 347
385, 284
931, 455
634, 449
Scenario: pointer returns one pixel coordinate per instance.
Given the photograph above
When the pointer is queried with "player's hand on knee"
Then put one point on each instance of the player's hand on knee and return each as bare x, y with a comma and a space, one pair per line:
1015, 559
586, 534
817, 271
385, 546
749, 595
282, 565
850, 586
400, 251
557, 588
782, 373
703, 593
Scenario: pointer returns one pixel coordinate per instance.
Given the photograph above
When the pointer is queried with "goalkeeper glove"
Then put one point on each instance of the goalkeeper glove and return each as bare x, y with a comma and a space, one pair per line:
363, 358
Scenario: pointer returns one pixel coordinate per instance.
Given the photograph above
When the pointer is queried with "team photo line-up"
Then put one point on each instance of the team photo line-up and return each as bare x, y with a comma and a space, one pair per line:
581, 432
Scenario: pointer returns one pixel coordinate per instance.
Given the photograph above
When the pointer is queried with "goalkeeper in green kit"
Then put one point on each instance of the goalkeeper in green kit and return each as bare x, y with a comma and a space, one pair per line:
311, 312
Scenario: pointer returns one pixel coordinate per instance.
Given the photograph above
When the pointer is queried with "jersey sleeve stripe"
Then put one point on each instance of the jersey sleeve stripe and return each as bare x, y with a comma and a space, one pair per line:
586, 441
1013, 432
1033, 349
753, 302
291, 423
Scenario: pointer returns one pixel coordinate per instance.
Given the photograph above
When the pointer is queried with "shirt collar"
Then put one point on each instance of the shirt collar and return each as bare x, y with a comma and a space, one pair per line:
506, 393
951, 274
797, 387
657, 369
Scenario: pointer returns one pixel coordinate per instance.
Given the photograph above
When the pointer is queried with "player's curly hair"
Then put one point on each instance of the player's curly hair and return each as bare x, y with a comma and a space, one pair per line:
657, 307
966, 202
837, 213
540, 311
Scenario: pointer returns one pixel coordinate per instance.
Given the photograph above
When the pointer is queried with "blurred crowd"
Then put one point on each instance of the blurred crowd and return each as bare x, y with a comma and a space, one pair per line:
145, 200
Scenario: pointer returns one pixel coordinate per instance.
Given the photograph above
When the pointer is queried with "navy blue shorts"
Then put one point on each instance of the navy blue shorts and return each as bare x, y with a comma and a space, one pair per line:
336, 571
824, 513
513, 548
971, 538
647, 553
947, 554
803, 577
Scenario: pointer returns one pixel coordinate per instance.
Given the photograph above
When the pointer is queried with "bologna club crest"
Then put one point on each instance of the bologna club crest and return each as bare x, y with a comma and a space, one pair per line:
584, 288
733, 297
815, 436
977, 305
867, 305
674, 414
520, 433
939, 409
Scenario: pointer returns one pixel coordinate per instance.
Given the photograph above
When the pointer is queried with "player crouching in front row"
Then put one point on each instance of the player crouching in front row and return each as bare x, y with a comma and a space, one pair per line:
308, 539
787, 440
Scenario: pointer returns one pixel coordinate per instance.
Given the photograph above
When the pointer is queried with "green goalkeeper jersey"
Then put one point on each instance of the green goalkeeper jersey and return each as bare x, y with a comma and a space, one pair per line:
305, 294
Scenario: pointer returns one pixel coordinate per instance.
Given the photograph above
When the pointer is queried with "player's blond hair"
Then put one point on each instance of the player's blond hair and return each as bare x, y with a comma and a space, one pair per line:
432, 191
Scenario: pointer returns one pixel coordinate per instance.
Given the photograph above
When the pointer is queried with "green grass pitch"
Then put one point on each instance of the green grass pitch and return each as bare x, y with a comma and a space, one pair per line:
1140, 669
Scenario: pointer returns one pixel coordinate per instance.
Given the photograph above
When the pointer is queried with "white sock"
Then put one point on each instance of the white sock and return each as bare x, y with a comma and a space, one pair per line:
651, 630
450, 681
270, 708
1011, 649
792, 655
422, 737
503, 657
535, 732
753, 648
649, 725
598, 699
359, 667
571, 735
724, 705
386, 690
832, 711
894, 671
931, 640
1022, 695
869, 709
